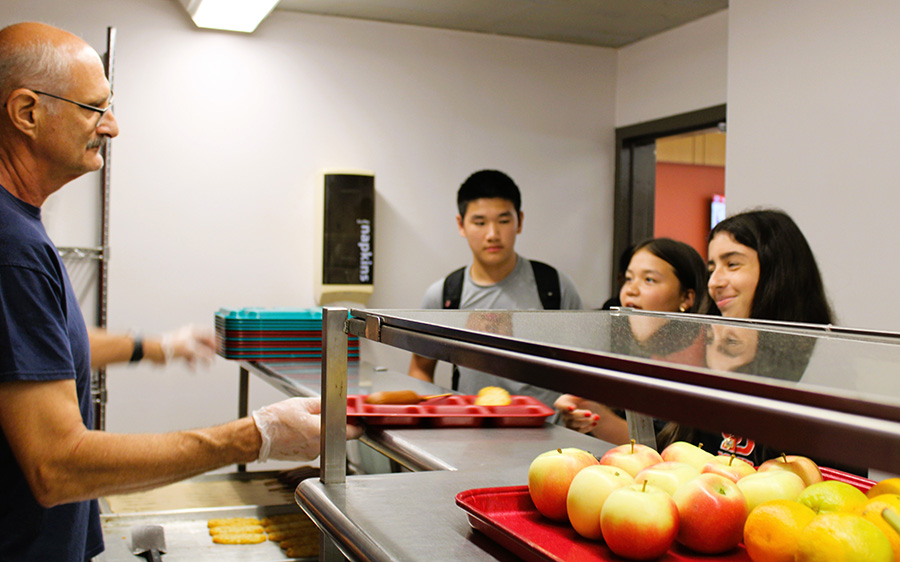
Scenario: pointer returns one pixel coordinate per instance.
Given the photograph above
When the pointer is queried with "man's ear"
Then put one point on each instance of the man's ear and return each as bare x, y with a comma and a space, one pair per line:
459, 225
21, 108
521, 218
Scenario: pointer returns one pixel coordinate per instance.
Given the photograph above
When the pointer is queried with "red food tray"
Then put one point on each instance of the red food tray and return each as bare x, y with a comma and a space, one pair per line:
451, 411
508, 516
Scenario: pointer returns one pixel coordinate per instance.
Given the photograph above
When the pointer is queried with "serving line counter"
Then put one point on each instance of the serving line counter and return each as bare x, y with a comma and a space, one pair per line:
820, 391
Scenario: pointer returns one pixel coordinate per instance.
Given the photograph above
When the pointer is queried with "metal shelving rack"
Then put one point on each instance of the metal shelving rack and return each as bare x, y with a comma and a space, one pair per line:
100, 253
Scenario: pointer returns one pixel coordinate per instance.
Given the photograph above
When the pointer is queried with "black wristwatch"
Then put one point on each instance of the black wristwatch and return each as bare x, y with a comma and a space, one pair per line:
138, 352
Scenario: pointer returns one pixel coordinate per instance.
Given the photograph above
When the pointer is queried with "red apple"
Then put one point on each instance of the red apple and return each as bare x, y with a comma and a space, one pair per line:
730, 467
803, 467
711, 513
631, 457
639, 522
549, 477
667, 475
770, 485
682, 451
587, 494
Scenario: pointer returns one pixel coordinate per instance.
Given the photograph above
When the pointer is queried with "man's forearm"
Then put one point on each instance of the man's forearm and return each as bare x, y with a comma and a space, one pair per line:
108, 348
101, 463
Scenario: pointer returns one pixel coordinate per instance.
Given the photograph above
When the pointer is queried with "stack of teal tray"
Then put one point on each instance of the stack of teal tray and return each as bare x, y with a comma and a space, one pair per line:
274, 334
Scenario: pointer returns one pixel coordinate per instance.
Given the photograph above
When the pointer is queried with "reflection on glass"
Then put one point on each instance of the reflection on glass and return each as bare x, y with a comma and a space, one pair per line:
491, 321
729, 347
756, 352
658, 338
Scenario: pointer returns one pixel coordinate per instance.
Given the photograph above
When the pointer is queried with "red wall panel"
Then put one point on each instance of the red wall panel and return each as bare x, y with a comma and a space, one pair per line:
683, 196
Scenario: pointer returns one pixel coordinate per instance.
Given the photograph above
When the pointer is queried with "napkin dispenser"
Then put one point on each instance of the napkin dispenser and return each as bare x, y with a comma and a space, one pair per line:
345, 246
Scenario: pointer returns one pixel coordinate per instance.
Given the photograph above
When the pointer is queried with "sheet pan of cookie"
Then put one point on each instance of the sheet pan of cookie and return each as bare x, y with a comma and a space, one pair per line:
188, 538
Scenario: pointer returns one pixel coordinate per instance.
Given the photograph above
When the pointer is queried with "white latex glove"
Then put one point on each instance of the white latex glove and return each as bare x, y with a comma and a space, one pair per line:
574, 417
290, 429
192, 343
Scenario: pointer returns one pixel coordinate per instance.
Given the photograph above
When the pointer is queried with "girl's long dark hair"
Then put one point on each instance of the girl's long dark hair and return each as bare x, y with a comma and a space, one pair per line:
790, 286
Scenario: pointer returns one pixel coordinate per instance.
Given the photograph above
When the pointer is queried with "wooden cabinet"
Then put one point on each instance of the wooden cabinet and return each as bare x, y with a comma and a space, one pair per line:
704, 149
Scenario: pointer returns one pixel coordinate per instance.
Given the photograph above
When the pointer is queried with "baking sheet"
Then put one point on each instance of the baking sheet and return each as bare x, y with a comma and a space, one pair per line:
184, 509
187, 536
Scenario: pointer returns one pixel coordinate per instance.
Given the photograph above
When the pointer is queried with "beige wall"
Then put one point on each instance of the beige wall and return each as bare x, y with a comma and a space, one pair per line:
681, 70
813, 121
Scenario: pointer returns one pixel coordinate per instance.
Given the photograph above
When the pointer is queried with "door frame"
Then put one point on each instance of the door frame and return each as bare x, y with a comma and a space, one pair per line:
635, 183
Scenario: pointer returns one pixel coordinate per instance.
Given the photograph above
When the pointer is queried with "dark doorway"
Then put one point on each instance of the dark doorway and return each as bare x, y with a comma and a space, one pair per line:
635, 191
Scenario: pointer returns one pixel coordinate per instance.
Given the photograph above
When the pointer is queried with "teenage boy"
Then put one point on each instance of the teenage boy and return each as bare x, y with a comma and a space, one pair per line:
490, 218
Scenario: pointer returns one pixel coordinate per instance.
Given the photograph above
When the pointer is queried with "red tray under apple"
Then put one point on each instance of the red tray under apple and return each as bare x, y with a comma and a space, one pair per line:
456, 410
508, 516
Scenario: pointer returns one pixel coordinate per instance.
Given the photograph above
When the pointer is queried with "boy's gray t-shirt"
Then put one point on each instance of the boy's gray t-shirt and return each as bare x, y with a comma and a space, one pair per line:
518, 291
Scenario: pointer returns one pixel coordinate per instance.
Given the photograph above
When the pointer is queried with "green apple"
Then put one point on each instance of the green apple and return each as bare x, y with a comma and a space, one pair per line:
831, 496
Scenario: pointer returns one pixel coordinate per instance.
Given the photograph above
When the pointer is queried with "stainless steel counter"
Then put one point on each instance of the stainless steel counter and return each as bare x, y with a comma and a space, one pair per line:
413, 515
406, 517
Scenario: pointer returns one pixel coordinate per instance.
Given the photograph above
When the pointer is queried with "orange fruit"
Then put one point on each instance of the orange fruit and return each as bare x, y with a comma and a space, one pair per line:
773, 528
887, 486
871, 510
842, 537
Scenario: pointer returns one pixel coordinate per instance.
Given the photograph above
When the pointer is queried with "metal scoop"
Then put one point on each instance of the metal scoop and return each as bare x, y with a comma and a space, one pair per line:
148, 541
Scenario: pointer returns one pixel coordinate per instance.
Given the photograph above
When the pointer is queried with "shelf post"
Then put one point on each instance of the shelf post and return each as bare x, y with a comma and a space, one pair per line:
333, 446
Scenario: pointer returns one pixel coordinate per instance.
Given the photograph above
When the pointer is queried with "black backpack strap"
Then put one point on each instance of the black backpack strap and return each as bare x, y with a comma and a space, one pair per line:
453, 284
547, 280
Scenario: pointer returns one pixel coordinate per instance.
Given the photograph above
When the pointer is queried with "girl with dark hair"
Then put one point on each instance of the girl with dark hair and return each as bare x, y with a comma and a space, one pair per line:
761, 267
663, 275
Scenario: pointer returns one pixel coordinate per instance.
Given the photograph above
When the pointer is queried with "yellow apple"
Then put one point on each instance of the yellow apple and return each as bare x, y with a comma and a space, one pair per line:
549, 477
803, 467
632, 457
639, 522
730, 467
682, 451
587, 494
667, 475
771, 485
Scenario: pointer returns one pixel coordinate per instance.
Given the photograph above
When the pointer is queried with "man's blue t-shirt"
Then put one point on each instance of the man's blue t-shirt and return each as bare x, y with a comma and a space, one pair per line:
42, 338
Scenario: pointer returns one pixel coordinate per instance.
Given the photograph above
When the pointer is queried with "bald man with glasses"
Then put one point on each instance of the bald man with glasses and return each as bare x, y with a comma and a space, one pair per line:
57, 115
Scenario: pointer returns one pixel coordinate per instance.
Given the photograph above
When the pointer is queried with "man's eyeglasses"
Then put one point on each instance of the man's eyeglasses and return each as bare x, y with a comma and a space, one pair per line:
101, 110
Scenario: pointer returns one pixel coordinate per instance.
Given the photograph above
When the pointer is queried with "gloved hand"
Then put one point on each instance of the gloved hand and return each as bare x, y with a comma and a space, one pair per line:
191, 343
573, 415
290, 429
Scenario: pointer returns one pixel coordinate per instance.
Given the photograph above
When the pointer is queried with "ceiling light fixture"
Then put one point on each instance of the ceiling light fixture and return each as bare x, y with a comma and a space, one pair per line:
231, 15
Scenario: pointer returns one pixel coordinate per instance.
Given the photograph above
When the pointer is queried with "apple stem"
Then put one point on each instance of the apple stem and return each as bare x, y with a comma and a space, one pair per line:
784, 456
559, 451
632, 446
644, 487
731, 460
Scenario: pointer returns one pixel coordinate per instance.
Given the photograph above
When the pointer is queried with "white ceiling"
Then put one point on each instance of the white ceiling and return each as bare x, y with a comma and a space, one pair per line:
605, 23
